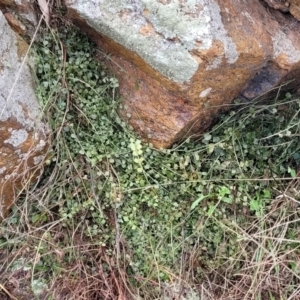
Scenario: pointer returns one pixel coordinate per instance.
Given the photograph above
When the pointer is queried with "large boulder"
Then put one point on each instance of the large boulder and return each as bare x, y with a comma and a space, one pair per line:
180, 61
23, 137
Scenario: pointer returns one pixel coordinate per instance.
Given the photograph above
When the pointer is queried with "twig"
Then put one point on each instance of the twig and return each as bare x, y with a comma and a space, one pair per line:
7, 292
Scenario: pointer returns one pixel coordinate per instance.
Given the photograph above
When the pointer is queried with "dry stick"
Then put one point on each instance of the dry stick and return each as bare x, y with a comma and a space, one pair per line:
7, 292
118, 286
65, 84
182, 271
44, 7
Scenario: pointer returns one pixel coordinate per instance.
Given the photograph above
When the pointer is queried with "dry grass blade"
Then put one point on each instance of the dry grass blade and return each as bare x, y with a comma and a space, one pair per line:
45, 9
114, 219
7, 292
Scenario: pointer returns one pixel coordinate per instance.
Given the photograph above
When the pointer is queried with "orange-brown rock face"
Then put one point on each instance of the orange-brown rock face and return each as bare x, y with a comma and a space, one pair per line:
23, 137
180, 61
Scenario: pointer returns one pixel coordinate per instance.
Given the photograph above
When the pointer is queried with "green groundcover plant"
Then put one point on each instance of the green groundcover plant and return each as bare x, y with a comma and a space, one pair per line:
212, 213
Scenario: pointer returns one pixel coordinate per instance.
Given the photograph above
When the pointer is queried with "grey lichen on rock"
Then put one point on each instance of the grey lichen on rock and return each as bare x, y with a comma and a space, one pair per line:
283, 45
162, 34
18, 95
23, 136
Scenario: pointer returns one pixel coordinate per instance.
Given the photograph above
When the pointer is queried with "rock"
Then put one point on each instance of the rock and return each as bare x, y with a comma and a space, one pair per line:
279, 4
23, 137
295, 8
292, 6
15, 24
20, 15
179, 62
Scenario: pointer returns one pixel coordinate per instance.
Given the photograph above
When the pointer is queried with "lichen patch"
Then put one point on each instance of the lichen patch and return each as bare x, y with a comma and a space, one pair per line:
17, 137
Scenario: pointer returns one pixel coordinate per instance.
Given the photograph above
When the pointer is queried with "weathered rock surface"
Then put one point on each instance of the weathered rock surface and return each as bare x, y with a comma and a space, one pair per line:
282, 5
295, 8
23, 137
179, 61
292, 6
20, 15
